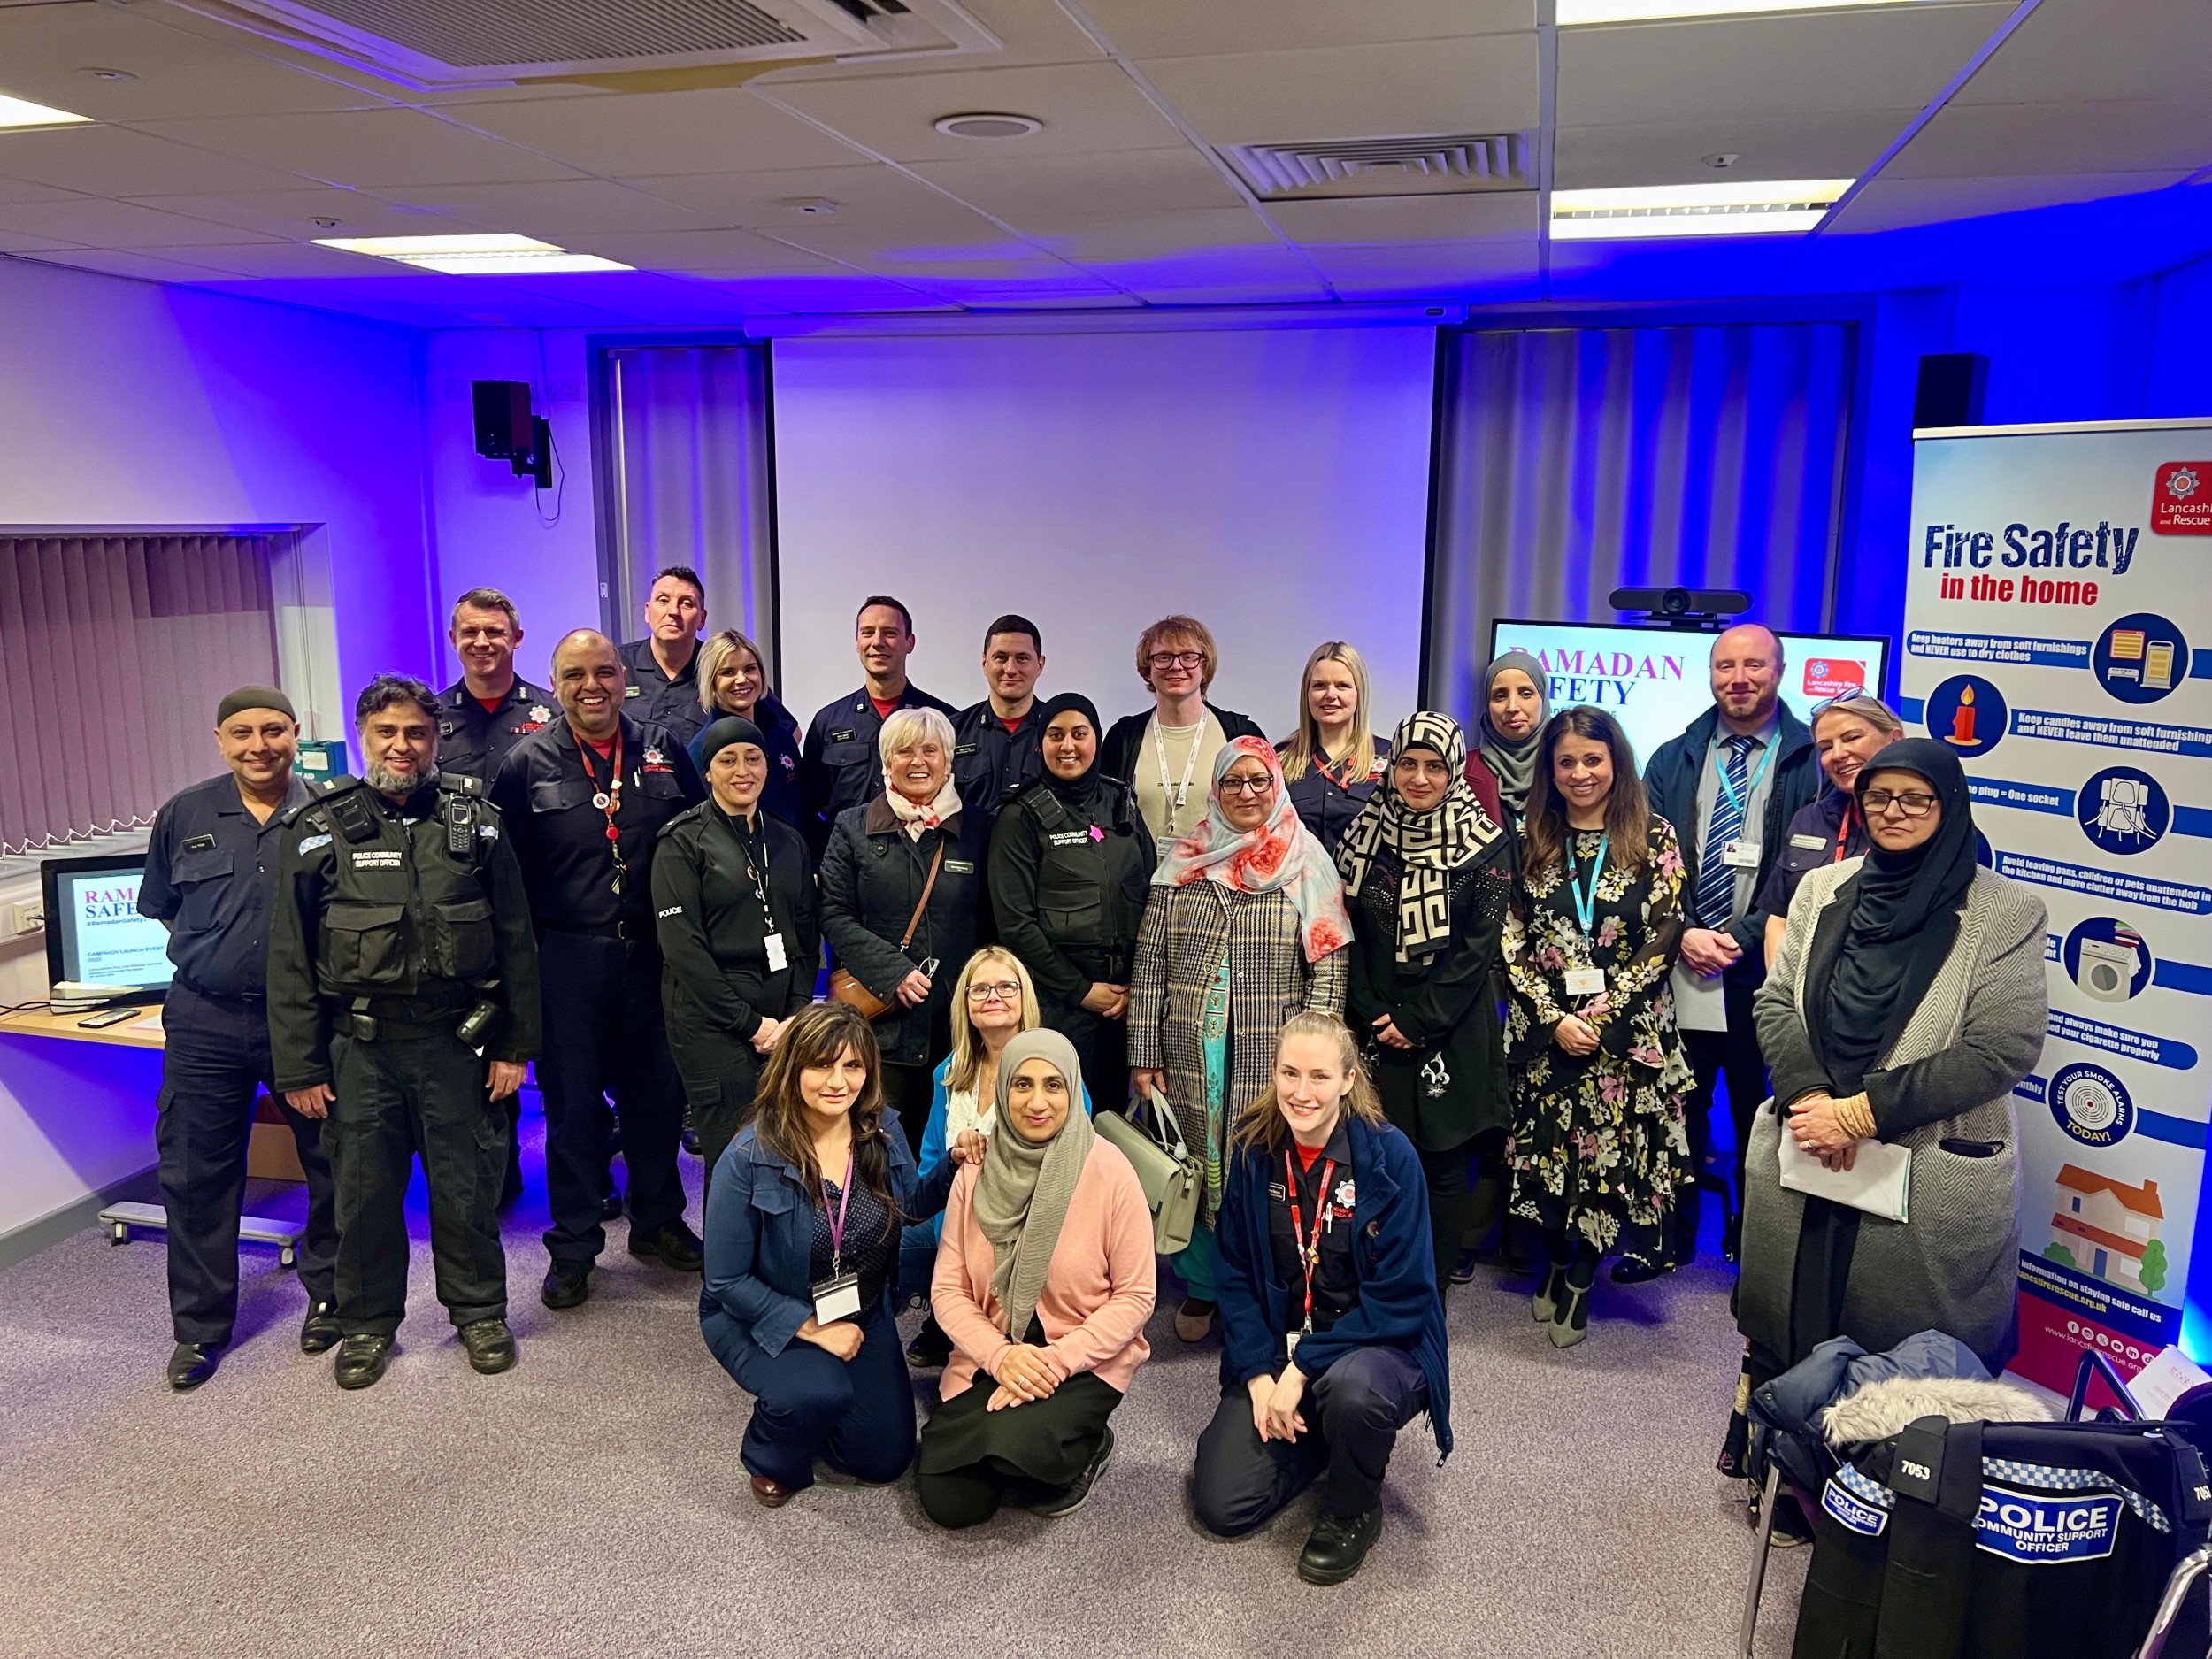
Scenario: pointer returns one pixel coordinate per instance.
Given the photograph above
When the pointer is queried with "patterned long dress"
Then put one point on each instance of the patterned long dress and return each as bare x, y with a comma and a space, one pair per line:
1599, 1144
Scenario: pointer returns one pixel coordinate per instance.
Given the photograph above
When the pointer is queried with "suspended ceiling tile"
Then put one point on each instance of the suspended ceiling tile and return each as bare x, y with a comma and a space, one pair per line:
1085, 108
1483, 84
1022, 187
1153, 235
117, 161
1789, 64
175, 72
1182, 28
97, 223
369, 149
1411, 218
1420, 270
1890, 203
828, 295
267, 259
1030, 32
292, 214
24, 190
2108, 136
560, 209
721, 251
16, 241
876, 252
146, 266
873, 198
1221, 276
723, 130
2100, 48
1829, 144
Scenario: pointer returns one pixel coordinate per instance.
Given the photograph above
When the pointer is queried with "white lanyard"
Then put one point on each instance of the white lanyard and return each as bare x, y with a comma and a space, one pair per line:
1177, 793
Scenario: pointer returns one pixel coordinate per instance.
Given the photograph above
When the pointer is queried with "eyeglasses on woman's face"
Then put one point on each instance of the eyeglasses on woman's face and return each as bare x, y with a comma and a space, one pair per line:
985, 991
1253, 787
1911, 802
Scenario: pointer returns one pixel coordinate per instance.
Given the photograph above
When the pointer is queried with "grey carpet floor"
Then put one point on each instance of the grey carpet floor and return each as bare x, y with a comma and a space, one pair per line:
591, 1502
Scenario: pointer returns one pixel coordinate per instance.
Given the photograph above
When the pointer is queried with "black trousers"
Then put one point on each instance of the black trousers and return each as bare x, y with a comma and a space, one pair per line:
907, 1090
604, 1034
1102, 1045
719, 1073
1730, 1058
399, 1098
1451, 1206
1353, 1412
974, 1459
214, 1066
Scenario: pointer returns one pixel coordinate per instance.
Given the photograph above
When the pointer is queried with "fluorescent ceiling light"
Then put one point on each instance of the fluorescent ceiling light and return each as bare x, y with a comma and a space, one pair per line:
1575, 11
499, 255
1747, 207
19, 112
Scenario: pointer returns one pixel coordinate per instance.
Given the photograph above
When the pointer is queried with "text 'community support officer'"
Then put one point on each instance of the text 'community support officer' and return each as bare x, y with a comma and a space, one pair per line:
404, 1006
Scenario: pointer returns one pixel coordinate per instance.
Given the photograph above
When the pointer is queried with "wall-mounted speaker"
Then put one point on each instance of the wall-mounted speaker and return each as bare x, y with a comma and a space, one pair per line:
1950, 393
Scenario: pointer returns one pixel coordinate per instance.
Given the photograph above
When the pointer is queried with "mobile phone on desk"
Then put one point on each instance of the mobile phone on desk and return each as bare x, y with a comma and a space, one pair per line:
107, 1017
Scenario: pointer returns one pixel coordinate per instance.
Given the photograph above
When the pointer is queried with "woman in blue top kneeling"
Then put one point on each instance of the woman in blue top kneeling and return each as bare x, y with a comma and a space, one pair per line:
803, 1230
1333, 1330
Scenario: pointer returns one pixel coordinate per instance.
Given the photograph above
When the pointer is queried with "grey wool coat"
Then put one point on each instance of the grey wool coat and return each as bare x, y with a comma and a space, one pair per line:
1948, 1075
1179, 946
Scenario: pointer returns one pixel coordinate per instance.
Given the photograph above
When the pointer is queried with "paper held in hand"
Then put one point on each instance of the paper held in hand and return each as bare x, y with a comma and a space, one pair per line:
1880, 1181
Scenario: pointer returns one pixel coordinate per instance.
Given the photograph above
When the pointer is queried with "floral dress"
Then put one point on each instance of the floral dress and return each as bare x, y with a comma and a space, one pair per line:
1598, 1142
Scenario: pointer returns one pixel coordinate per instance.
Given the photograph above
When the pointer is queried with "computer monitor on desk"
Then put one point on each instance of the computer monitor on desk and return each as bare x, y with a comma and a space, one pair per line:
94, 936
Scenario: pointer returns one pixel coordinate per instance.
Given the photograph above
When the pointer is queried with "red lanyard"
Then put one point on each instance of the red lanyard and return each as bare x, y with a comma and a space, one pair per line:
1843, 832
1309, 1254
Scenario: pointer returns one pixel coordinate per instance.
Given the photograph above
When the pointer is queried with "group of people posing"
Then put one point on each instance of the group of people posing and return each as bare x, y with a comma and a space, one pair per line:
1394, 997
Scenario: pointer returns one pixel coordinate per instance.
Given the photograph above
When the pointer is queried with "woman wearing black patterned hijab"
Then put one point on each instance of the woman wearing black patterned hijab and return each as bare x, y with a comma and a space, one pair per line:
1428, 877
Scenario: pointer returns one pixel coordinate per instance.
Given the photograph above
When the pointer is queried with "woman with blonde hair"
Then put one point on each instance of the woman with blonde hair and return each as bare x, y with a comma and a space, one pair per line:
1333, 761
1333, 1330
733, 680
993, 1001
1167, 752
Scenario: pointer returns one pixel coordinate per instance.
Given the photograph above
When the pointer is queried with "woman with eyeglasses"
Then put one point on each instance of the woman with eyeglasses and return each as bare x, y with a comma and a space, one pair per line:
1908, 1001
1247, 925
993, 1003
733, 680
1849, 731
1167, 753
1599, 1150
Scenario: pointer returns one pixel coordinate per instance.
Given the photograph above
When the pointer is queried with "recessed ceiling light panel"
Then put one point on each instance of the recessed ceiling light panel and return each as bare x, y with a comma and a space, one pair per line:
1748, 207
493, 255
983, 124
1572, 13
21, 112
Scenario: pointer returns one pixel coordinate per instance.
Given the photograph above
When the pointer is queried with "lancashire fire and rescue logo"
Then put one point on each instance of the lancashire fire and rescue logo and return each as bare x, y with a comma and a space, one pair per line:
2181, 499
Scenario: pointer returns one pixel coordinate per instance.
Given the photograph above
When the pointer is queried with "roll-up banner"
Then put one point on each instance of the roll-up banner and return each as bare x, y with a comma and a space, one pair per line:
2058, 635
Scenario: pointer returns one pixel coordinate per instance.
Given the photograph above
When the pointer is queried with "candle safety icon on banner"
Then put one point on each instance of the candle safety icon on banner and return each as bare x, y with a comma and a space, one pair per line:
2057, 612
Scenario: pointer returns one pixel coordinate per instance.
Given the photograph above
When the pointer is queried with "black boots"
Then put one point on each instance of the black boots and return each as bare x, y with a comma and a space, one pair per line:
1337, 1546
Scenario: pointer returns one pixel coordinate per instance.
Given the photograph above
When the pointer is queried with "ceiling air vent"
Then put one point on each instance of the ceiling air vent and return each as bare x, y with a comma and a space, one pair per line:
482, 43
1427, 164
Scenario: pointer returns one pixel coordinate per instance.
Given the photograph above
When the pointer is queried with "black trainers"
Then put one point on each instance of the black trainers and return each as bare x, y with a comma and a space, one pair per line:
671, 1245
610, 1206
931, 1349
567, 1284
1337, 1546
491, 1344
1076, 1496
363, 1359
192, 1364
319, 1332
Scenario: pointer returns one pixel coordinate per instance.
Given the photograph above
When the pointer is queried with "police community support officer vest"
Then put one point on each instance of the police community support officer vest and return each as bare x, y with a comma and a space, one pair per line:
408, 904
1091, 891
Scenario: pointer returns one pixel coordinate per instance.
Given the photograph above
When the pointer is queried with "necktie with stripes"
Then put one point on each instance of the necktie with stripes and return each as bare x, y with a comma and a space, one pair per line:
1715, 879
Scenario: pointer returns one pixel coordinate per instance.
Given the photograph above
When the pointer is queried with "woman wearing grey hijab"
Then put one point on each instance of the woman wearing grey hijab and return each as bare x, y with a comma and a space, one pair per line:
1044, 1282
1515, 706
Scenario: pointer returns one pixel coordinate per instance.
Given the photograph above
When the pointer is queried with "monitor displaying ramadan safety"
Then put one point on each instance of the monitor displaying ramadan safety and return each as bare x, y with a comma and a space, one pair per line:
93, 932
1655, 681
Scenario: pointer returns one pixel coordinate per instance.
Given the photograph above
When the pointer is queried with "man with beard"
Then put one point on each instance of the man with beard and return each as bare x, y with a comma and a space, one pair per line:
404, 1009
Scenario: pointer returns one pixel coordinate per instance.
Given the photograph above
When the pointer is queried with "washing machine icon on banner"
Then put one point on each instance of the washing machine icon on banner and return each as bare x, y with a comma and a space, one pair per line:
2108, 966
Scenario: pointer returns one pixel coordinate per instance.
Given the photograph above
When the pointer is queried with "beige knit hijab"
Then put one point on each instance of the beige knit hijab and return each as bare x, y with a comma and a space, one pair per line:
1022, 1194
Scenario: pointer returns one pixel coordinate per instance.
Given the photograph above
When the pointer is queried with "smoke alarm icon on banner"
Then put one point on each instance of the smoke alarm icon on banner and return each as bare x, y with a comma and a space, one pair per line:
2181, 499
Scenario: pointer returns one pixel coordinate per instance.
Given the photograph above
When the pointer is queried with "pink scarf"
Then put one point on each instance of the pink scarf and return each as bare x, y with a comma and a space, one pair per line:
1280, 856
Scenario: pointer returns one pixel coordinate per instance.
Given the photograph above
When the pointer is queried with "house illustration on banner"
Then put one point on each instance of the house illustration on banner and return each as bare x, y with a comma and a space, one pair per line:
2109, 1230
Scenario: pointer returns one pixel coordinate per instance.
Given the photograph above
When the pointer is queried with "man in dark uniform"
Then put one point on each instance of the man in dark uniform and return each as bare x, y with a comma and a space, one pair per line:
994, 741
585, 801
485, 714
404, 1007
838, 767
210, 870
663, 667
490, 709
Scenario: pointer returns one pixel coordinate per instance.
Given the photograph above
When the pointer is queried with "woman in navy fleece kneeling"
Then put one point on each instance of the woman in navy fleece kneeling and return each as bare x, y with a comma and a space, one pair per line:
1334, 1335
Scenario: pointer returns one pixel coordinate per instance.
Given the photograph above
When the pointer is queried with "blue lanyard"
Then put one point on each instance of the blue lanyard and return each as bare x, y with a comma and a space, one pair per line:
1757, 778
1586, 904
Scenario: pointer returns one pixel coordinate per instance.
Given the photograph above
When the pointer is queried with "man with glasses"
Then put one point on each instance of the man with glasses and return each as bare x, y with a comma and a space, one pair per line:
838, 767
1167, 752
1730, 785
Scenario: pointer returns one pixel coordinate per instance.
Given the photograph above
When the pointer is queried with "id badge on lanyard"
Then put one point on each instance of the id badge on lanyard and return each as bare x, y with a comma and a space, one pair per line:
1585, 981
1743, 852
838, 1296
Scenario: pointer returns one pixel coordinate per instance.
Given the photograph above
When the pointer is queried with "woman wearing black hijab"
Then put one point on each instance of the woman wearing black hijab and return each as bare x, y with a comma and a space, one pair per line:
733, 896
1907, 1000
1070, 864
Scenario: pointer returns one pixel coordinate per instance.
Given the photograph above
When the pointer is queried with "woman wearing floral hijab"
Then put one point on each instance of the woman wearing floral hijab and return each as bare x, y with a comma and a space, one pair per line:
1246, 927
1428, 877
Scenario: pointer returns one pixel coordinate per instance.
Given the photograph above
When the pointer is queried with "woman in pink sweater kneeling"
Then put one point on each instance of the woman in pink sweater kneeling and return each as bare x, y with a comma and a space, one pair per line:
1044, 1282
